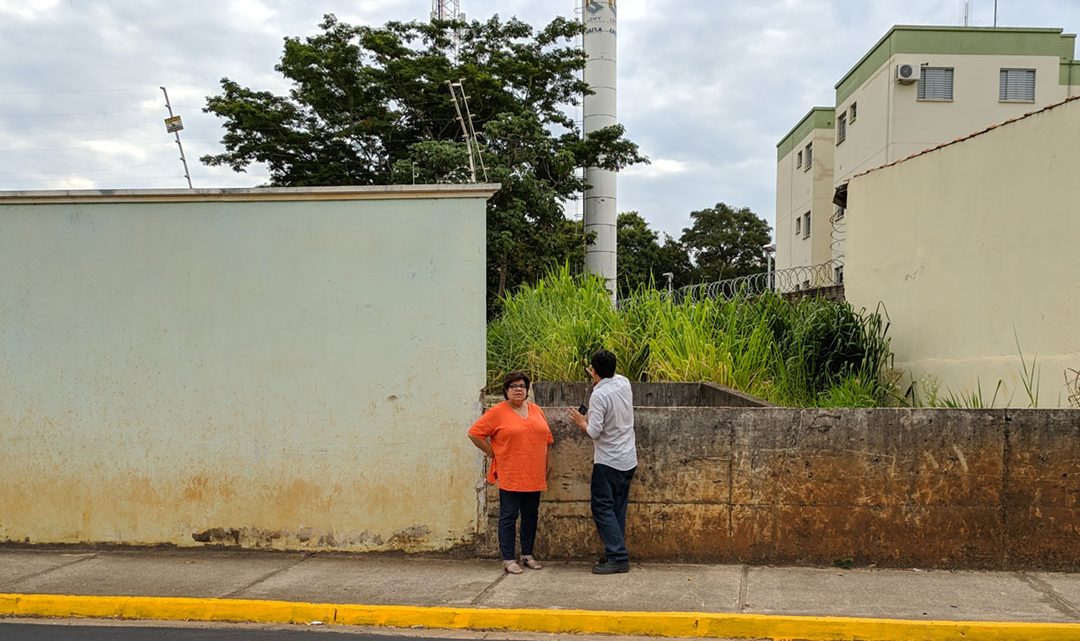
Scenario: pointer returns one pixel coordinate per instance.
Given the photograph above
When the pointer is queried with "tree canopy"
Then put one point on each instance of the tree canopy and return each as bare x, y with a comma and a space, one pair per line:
372, 105
725, 242
643, 260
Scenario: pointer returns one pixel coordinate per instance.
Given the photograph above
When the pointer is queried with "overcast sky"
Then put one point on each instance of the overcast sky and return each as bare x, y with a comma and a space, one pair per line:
706, 87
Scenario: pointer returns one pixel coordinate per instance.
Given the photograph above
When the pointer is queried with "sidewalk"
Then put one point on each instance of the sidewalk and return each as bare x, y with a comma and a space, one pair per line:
653, 599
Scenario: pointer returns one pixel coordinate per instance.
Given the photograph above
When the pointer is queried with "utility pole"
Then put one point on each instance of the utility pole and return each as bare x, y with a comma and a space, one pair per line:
173, 125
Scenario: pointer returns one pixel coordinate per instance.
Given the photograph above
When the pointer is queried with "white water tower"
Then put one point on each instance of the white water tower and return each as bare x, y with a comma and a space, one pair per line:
599, 112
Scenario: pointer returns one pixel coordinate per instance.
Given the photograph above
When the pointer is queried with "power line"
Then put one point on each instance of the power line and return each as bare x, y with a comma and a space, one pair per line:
141, 143
58, 91
85, 171
79, 113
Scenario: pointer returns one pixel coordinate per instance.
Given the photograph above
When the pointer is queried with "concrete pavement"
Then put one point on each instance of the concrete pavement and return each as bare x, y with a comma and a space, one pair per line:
679, 600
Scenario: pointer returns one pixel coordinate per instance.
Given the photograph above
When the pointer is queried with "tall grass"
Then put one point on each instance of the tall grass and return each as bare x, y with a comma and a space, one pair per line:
808, 353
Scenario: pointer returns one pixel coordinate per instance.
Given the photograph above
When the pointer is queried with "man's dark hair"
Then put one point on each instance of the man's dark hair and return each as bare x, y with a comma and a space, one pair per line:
514, 377
603, 363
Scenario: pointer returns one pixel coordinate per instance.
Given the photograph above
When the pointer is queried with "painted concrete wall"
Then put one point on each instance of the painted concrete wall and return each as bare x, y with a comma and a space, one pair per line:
281, 368
973, 248
895, 487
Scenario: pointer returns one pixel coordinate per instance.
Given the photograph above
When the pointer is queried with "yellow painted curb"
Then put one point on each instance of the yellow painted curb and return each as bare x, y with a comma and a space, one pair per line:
666, 624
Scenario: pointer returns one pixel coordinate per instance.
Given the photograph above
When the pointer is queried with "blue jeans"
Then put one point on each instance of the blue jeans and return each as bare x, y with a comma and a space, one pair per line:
510, 503
610, 496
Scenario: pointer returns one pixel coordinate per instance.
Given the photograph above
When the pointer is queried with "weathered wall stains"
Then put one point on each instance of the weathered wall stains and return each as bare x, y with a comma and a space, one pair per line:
281, 368
896, 487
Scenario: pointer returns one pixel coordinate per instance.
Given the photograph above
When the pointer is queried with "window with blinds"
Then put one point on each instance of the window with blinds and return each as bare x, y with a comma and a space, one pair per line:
936, 83
1017, 85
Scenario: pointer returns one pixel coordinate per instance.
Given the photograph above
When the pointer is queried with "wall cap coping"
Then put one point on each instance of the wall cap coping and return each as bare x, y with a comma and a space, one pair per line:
262, 194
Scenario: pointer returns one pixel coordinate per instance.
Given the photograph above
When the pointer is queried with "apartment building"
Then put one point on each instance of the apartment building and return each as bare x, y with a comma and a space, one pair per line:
916, 88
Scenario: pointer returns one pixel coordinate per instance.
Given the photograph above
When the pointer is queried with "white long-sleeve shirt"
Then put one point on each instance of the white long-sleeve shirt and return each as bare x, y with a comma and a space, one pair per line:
611, 423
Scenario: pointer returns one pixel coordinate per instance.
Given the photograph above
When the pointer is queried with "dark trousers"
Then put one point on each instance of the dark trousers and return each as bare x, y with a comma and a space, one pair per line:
610, 496
510, 504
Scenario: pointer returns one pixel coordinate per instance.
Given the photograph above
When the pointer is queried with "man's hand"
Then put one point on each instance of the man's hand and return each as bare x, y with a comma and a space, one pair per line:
577, 418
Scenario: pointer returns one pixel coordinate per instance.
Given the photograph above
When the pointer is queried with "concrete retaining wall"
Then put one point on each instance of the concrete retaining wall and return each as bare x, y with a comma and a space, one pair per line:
895, 487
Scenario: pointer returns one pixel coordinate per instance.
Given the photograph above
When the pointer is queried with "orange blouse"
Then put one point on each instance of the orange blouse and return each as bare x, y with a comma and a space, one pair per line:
520, 446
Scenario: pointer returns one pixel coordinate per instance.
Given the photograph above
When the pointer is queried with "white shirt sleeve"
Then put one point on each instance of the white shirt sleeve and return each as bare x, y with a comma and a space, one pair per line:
596, 417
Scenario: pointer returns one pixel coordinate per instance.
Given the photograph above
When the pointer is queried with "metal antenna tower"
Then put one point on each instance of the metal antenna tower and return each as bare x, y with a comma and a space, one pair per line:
449, 10
446, 10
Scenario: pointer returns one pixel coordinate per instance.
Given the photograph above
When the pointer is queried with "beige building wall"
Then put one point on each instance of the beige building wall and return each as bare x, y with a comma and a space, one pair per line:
884, 121
802, 190
291, 368
972, 249
892, 123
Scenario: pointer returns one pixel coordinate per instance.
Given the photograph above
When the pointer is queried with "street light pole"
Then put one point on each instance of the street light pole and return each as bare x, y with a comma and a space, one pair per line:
769, 249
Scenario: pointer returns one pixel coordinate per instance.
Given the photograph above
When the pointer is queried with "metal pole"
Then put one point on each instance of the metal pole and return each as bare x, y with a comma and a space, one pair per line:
472, 130
995, 14
187, 174
770, 251
464, 129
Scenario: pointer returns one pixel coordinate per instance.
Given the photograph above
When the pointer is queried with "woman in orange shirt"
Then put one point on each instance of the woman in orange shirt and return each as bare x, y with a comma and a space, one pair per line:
515, 436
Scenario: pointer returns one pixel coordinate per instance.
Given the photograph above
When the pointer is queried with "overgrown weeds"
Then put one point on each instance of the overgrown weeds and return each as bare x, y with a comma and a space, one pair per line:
1072, 386
811, 352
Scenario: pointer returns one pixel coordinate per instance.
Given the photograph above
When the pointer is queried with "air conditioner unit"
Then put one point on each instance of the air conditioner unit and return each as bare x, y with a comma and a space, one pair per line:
907, 73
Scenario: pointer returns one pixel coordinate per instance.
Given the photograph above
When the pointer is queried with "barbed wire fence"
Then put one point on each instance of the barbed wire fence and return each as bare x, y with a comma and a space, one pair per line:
782, 281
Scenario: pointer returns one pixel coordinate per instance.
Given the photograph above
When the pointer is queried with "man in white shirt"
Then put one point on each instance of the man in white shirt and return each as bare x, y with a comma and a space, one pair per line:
609, 422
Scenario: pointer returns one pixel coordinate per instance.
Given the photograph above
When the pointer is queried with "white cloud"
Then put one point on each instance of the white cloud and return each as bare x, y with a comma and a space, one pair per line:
659, 167
706, 87
27, 9
633, 9
114, 148
252, 15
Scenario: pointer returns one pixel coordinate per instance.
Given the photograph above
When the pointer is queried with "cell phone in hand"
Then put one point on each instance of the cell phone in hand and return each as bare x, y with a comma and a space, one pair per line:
582, 409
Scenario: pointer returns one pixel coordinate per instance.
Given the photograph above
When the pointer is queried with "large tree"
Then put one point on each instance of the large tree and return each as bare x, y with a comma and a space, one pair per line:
371, 105
643, 260
726, 242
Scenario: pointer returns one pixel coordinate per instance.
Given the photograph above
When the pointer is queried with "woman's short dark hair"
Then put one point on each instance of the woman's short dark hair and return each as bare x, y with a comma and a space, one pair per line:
603, 363
512, 378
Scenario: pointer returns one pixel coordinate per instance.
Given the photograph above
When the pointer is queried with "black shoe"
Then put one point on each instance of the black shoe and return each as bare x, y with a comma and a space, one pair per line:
611, 567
